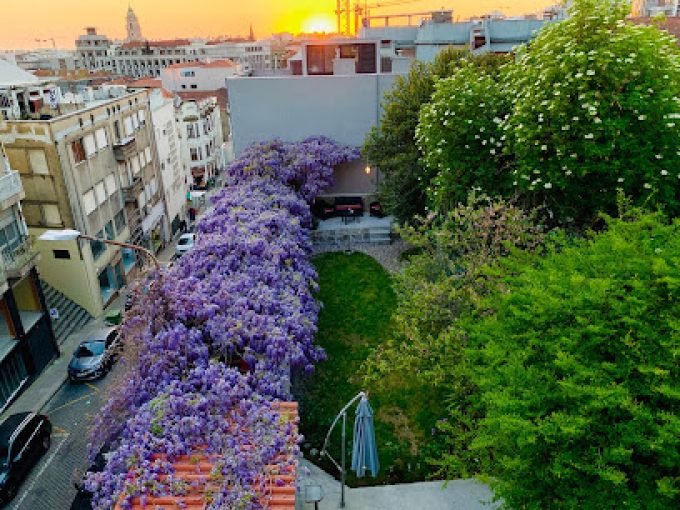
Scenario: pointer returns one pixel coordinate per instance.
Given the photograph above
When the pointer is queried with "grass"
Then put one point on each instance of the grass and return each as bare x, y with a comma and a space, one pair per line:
358, 302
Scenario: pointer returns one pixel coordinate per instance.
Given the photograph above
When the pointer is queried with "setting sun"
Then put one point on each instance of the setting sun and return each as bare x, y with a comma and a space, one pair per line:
323, 23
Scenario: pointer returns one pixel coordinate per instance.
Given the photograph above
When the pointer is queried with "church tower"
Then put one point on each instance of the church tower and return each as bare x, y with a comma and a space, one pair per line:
134, 31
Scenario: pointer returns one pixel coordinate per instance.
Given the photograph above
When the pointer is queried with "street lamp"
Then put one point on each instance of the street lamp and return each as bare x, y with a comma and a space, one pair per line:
72, 235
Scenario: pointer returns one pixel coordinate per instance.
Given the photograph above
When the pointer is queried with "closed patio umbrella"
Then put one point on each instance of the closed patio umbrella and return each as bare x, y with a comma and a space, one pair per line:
364, 451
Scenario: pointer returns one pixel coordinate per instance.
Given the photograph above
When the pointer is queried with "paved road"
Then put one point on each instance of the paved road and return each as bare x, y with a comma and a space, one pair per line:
50, 484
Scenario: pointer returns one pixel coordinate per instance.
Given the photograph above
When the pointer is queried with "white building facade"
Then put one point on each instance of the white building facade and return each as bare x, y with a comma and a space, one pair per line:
202, 142
173, 172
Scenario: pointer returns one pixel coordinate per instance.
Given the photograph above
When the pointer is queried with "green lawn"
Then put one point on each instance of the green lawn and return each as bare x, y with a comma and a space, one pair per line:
358, 302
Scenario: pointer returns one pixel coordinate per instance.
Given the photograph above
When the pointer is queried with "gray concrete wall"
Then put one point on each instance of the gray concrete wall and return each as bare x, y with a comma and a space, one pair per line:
295, 107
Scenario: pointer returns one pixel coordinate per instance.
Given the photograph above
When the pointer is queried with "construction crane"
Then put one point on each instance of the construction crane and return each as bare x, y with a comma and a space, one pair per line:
54, 44
361, 9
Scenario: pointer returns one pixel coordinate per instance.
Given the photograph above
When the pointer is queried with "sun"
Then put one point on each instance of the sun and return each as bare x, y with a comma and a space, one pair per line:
319, 23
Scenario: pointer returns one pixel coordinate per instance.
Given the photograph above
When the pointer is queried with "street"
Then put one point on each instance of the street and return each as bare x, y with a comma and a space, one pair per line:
50, 484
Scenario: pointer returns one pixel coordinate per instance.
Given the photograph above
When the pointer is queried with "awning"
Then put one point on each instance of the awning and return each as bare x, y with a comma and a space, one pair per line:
152, 218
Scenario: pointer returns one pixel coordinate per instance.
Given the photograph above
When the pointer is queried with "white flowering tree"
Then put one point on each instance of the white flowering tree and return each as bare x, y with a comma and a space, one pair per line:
461, 138
596, 108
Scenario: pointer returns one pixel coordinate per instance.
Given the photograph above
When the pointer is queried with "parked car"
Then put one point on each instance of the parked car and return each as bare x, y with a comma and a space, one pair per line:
184, 244
95, 356
24, 438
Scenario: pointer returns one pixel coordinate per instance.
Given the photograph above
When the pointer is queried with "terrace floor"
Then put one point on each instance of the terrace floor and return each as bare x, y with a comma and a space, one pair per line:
359, 229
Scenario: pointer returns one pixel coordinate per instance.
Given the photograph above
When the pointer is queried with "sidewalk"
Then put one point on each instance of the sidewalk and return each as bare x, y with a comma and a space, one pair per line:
52, 378
456, 495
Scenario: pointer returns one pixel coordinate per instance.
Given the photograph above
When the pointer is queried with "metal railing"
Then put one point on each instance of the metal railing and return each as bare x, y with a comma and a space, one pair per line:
14, 258
10, 185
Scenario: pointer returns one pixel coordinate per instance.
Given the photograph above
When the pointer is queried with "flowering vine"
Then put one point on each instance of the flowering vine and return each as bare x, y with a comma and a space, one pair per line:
211, 343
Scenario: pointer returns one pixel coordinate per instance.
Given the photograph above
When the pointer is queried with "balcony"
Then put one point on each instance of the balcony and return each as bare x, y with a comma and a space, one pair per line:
125, 148
132, 191
3, 281
19, 259
11, 190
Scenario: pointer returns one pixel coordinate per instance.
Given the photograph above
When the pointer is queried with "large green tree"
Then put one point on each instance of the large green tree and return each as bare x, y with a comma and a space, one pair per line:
577, 355
461, 137
392, 146
596, 108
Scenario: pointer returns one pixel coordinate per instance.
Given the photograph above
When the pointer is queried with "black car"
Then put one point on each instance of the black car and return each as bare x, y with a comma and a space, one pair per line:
24, 437
95, 356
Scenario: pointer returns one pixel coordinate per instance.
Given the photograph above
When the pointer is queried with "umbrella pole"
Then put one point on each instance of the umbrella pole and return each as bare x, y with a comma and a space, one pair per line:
342, 482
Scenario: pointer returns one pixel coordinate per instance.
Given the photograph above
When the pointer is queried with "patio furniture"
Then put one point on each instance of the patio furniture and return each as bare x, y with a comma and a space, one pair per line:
349, 215
323, 210
375, 209
355, 204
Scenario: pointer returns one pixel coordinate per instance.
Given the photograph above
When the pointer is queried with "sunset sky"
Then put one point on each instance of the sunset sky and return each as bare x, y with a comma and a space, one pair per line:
24, 21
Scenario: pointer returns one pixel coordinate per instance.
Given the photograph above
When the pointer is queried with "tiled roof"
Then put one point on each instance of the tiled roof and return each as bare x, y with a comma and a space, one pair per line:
200, 95
671, 24
220, 63
215, 63
196, 469
146, 83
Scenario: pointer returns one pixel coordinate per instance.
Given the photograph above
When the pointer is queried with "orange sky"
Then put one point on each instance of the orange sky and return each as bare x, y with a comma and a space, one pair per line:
24, 21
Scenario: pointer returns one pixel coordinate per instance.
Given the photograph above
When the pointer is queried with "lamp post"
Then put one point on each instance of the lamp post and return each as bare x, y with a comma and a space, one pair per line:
72, 235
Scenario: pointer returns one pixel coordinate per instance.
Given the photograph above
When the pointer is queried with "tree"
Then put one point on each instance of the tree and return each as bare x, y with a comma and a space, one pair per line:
460, 134
595, 109
392, 147
440, 285
577, 364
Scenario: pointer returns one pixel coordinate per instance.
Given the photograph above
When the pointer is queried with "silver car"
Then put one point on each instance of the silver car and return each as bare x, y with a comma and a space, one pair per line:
95, 356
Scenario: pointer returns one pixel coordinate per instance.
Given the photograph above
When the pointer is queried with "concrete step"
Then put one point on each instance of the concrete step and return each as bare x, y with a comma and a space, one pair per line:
72, 317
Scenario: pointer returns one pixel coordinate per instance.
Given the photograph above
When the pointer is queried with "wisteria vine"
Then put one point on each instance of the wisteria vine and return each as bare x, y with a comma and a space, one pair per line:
211, 341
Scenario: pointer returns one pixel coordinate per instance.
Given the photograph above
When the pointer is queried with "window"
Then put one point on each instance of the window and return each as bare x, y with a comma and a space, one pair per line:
108, 228
192, 130
187, 74
90, 145
128, 126
135, 165
89, 203
119, 221
147, 154
101, 192
154, 186
78, 151
194, 86
10, 232
101, 138
110, 184
61, 254
194, 154
142, 116
97, 247
38, 161
135, 121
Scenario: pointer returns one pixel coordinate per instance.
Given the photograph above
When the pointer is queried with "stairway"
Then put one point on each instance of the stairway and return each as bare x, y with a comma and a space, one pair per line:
72, 317
343, 238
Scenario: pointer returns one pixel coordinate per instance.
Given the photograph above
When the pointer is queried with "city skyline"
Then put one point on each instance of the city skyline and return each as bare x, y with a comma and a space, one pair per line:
204, 18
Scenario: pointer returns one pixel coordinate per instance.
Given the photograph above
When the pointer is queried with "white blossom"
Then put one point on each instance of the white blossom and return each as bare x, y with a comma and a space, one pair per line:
589, 136
647, 185
547, 185
664, 172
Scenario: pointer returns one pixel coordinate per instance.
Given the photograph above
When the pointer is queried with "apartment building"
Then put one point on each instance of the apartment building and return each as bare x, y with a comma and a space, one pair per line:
27, 342
173, 172
94, 170
24, 96
200, 129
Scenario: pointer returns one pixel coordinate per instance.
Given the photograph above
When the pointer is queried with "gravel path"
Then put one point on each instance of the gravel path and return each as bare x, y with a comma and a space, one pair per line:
387, 255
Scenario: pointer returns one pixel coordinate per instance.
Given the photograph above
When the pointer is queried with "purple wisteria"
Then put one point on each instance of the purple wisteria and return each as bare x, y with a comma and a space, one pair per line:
211, 342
